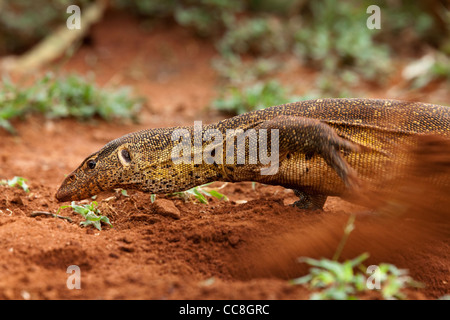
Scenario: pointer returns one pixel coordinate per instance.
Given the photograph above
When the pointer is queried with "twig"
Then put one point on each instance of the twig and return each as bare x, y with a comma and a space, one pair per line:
347, 230
48, 214
54, 45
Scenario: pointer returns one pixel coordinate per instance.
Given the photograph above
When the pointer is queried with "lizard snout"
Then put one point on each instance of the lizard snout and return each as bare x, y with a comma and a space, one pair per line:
64, 192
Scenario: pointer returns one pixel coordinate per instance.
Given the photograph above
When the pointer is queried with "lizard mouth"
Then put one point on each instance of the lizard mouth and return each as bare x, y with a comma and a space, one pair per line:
62, 195
76, 188
66, 190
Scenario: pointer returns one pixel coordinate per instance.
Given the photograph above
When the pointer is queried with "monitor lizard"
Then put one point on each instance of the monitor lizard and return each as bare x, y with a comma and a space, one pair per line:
326, 147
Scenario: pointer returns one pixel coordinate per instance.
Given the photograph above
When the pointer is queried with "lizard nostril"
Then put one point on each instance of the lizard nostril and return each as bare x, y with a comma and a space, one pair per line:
70, 178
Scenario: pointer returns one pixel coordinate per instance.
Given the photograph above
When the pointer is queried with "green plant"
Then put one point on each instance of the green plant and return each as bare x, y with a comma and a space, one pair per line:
344, 280
339, 280
336, 280
254, 97
237, 72
413, 18
204, 17
393, 280
23, 23
336, 38
147, 8
16, 182
430, 67
258, 36
207, 17
200, 193
68, 96
90, 212
282, 8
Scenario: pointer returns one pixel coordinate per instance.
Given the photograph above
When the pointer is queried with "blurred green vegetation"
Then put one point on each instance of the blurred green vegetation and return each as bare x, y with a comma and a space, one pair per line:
259, 36
23, 23
238, 100
253, 37
336, 39
333, 280
331, 36
204, 17
61, 97
18, 182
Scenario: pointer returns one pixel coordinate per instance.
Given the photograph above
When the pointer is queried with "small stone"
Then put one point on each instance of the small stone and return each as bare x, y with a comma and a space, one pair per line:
126, 240
233, 240
126, 249
166, 208
17, 200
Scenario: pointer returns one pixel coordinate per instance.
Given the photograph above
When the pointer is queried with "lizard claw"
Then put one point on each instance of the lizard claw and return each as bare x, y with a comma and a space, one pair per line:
333, 156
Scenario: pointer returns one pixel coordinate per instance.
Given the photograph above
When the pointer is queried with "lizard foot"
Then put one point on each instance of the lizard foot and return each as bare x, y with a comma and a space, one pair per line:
310, 202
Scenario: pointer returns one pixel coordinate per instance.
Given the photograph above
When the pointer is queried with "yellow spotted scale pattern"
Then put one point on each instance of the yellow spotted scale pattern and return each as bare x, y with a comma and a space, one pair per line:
326, 147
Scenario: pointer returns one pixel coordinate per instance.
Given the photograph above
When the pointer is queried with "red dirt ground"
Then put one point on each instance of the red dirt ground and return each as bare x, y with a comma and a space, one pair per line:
224, 250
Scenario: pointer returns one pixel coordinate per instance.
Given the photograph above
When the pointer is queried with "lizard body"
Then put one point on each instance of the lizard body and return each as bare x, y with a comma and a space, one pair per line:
326, 147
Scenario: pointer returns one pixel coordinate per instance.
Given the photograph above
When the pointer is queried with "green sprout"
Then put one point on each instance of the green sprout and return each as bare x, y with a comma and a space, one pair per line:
16, 182
344, 280
200, 192
393, 280
90, 212
338, 281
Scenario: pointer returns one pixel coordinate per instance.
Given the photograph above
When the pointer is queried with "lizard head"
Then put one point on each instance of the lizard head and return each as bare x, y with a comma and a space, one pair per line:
104, 170
141, 160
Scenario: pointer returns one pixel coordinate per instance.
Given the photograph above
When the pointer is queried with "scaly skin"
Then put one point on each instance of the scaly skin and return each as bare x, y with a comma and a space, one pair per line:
326, 147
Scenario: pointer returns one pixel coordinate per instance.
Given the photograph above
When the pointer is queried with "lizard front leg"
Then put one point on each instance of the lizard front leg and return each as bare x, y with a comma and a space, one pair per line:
311, 137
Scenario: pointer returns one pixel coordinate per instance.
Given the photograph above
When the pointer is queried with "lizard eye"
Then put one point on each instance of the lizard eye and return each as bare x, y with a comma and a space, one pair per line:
124, 157
91, 164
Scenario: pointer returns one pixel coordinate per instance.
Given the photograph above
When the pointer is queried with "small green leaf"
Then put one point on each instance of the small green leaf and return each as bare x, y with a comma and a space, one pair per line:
16, 182
301, 280
200, 197
199, 193
218, 195
90, 212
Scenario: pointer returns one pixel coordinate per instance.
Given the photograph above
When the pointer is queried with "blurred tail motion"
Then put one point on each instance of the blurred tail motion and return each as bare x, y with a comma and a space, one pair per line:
425, 195
407, 226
